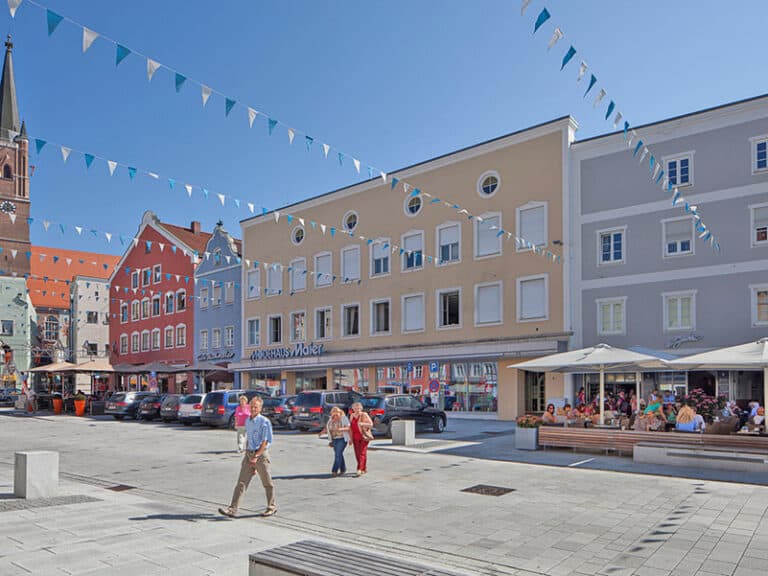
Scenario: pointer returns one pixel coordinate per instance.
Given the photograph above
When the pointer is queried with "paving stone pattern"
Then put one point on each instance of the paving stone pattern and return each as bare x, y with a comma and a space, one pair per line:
9, 504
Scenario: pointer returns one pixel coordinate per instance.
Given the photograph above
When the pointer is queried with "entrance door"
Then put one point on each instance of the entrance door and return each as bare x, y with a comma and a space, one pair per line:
707, 381
535, 396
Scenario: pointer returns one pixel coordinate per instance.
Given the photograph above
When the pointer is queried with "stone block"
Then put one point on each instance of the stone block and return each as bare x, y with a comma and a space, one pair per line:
36, 474
403, 433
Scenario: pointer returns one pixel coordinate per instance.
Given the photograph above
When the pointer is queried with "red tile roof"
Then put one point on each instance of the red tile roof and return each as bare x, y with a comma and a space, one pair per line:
195, 241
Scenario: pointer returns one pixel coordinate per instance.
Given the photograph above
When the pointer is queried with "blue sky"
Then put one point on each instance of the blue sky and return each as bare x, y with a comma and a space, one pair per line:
391, 82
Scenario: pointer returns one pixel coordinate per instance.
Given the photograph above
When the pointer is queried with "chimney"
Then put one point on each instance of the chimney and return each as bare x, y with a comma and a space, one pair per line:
195, 226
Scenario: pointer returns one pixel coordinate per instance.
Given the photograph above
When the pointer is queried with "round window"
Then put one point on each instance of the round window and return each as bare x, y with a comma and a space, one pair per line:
297, 235
413, 205
488, 184
350, 221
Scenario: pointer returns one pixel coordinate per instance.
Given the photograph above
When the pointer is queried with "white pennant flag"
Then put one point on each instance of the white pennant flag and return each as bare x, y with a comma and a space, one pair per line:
162, 246
228, 258
656, 170
108, 236
177, 276
13, 5
406, 187
643, 155
65, 153
322, 227
383, 176
617, 119
112, 166
152, 67
221, 198
251, 207
301, 221
277, 216
600, 96
206, 93
135, 242
13, 253
79, 230
207, 255
524, 6
356, 162
69, 261
188, 187
153, 175
12, 216
251, 116
556, 36
46, 224
42, 257
582, 71
88, 37
326, 148
291, 134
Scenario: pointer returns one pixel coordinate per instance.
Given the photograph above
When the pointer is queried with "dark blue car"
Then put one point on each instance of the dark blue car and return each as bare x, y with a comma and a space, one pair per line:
219, 406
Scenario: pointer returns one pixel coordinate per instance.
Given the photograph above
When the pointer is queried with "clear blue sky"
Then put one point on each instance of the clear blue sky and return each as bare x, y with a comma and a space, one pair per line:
392, 82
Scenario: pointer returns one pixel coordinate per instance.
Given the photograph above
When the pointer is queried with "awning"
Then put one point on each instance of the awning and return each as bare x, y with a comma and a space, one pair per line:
55, 367
97, 365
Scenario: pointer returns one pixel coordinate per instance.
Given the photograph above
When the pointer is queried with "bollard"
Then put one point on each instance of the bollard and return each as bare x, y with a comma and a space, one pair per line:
36, 474
403, 433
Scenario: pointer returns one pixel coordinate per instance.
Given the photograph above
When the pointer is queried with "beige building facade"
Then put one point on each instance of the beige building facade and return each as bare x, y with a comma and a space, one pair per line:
407, 292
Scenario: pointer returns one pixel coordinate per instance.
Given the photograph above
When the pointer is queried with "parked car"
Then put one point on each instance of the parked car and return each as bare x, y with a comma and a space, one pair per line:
190, 408
279, 410
311, 410
149, 408
219, 406
122, 404
386, 408
169, 409
7, 397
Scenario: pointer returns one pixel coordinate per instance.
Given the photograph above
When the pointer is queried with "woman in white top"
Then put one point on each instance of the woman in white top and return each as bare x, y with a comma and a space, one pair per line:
337, 429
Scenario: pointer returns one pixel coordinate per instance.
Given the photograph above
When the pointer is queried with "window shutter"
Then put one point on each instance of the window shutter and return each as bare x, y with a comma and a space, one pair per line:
298, 276
761, 217
532, 225
532, 299
449, 235
412, 243
413, 311
351, 263
487, 242
678, 230
488, 304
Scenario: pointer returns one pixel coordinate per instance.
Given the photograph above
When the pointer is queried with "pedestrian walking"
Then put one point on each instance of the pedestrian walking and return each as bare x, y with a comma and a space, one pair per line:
242, 413
337, 429
360, 425
256, 461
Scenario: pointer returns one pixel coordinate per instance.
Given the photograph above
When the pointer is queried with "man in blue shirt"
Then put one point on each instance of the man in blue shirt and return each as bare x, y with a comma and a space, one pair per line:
258, 431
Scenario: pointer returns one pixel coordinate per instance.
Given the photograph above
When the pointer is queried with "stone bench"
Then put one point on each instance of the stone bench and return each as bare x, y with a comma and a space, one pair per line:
36, 474
737, 459
313, 558
403, 432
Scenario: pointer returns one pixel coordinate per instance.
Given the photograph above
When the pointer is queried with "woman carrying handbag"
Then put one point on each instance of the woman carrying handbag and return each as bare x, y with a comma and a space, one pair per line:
360, 425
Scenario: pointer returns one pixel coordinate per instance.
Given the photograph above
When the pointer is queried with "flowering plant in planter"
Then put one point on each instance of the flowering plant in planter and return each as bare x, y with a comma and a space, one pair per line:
707, 406
528, 421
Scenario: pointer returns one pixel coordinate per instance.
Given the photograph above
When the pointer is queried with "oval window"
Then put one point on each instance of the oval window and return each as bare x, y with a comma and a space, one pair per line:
413, 205
488, 184
297, 235
350, 221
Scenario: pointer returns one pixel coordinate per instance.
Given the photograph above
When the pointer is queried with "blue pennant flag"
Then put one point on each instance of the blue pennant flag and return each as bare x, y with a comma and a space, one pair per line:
660, 176
30, 220
499, 233
313, 224
626, 129
309, 141
131, 172
122, 240
55, 259
370, 172
62, 228
333, 231
394, 183
341, 159
271, 125
148, 244
95, 233
611, 106
173, 248
88, 160
228, 105
237, 203
39, 144
263, 211
567, 58
651, 162
592, 82
180, 79
415, 192
434, 200
120, 54
543, 17
171, 183
637, 148
53, 21
370, 241
29, 255
205, 192
289, 218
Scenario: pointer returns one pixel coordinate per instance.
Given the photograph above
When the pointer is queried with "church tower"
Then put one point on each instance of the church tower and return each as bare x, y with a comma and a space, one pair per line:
14, 177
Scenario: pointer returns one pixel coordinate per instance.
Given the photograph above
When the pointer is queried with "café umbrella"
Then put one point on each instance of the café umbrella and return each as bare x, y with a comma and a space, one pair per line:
598, 358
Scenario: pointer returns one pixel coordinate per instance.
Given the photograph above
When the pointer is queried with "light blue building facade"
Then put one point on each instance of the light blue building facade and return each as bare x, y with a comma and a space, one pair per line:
218, 311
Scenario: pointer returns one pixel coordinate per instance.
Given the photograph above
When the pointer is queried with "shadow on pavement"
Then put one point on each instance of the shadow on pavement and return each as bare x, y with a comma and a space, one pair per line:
304, 477
183, 517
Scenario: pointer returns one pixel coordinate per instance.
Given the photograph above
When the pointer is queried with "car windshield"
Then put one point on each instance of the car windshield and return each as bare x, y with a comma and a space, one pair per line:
272, 402
191, 399
117, 398
369, 403
214, 398
309, 399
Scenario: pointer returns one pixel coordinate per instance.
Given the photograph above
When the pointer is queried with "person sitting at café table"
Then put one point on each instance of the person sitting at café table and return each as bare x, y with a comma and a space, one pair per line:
655, 407
669, 397
568, 411
757, 422
671, 416
549, 415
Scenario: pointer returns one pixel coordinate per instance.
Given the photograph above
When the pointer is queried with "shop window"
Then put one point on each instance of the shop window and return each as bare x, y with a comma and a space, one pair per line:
535, 392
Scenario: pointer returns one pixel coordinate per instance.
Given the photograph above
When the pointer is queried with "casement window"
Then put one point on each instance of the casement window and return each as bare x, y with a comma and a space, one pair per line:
253, 283
274, 280
123, 312
610, 246
298, 326
229, 292
298, 275
323, 323
488, 183
156, 339
229, 336
135, 342
203, 298
135, 279
216, 338
203, 339
156, 301
216, 291
412, 313
413, 251
145, 308
759, 153
678, 236
531, 225
758, 216
380, 319
323, 269
350, 264
532, 298
759, 304
611, 316
123, 344
488, 236
168, 337
380, 257
275, 329
253, 332
135, 307
680, 169
418, 372
350, 319
217, 257
181, 304
90, 318
449, 308
489, 304
181, 336
6, 327
157, 273
146, 277
170, 302
145, 341
679, 310
449, 243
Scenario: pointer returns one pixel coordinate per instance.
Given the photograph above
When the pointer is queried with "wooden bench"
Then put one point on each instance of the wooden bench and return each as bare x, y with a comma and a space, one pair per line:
702, 456
623, 441
314, 558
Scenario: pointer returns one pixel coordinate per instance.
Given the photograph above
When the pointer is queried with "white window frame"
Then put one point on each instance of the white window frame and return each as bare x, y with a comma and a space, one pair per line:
518, 228
269, 329
753, 242
665, 160
479, 185
344, 221
215, 338
404, 257
599, 302
438, 257
403, 298
320, 276
407, 201
165, 337
664, 242
135, 279
599, 239
500, 321
380, 242
476, 236
146, 273
216, 287
295, 231
183, 327
291, 337
135, 310
229, 292
155, 331
438, 295
229, 337
343, 320
292, 275
247, 335
127, 308
159, 298
371, 307
172, 295
148, 346
753, 142
204, 340
272, 290
256, 272
157, 274
135, 342
345, 278
679, 294
519, 299
147, 308
203, 298
753, 290
176, 302
124, 344
316, 325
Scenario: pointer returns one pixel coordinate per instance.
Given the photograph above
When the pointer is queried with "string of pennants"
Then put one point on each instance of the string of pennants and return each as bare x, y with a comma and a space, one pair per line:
640, 150
122, 52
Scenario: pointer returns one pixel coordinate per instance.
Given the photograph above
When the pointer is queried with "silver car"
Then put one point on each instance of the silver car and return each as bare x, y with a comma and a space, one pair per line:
190, 408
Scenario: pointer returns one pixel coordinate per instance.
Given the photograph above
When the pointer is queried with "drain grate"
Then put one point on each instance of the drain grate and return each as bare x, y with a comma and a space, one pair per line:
121, 488
487, 490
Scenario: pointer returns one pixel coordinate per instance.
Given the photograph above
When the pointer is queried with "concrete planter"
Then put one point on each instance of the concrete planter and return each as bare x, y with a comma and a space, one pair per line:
527, 438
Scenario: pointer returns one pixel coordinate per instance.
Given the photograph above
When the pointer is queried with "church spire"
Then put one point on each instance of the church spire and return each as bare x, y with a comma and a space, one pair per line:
9, 111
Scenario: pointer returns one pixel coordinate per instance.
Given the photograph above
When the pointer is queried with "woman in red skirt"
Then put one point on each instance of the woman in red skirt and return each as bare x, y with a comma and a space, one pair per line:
360, 425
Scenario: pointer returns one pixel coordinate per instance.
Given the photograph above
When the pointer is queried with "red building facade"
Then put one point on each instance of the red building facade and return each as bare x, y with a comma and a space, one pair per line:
151, 306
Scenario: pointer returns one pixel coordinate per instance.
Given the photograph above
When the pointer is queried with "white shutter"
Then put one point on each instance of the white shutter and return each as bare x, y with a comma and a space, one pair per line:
761, 217
323, 269
487, 241
379, 251
449, 235
488, 304
678, 230
533, 299
413, 313
298, 274
533, 226
412, 243
254, 283
274, 280
351, 263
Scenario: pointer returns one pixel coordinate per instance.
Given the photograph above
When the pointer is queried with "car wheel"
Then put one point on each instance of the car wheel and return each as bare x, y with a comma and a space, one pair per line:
438, 425
231, 423
117, 416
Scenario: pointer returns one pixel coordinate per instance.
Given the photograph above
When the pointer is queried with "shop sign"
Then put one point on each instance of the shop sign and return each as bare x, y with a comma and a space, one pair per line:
298, 351
222, 355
